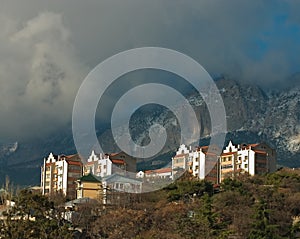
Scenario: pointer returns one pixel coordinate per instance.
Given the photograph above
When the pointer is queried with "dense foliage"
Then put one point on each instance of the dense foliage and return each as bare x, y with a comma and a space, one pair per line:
33, 216
259, 207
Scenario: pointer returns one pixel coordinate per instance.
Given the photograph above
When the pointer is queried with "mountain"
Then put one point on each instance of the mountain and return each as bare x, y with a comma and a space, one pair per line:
253, 115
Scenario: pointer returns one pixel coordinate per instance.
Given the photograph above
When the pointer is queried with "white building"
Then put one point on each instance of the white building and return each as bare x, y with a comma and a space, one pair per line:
59, 173
181, 161
201, 162
250, 158
206, 163
99, 165
103, 165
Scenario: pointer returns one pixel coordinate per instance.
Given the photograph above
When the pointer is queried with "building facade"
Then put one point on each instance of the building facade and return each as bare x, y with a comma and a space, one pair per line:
89, 186
117, 188
246, 158
103, 165
201, 162
206, 163
99, 165
182, 161
59, 174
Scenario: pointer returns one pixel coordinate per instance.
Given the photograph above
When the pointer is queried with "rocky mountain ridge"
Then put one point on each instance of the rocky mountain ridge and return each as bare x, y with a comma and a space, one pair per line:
252, 116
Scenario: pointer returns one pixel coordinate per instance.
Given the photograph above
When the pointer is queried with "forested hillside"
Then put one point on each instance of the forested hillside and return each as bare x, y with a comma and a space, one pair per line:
259, 207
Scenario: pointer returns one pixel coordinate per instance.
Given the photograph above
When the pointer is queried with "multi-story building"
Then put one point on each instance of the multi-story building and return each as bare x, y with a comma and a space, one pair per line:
181, 161
107, 164
201, 162
99, 165
252, 159
124, 161
206, 163
59, 174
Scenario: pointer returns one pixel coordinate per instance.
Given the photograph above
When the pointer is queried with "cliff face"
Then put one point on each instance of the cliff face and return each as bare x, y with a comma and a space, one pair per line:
252, 116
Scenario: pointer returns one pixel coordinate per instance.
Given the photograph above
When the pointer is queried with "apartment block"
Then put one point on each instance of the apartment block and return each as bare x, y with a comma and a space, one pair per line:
207, 163
59, 174
103, 165
201, 162
246, 158
182, 161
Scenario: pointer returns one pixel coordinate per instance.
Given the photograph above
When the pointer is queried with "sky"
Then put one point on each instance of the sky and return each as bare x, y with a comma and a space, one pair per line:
47, 47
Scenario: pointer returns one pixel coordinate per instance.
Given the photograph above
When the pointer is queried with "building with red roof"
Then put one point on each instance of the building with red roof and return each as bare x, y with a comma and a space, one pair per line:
59, 174
253, 159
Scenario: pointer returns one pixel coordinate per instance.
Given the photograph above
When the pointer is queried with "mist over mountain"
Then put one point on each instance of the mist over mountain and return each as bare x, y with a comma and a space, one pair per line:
253, 115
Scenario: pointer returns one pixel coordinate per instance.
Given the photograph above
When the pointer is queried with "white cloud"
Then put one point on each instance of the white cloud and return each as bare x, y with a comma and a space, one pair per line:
39, 75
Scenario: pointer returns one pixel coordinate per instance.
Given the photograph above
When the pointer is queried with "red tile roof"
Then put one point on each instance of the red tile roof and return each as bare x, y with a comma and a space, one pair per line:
226, 154
118, 161
160, 170
74, 162
260, 152
163, 170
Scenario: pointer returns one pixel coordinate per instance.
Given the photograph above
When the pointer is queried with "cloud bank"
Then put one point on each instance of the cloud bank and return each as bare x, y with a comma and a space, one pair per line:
47, 47
39, 76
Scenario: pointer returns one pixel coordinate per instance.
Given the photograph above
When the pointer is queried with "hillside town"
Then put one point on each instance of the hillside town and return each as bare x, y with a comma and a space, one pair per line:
199, 194
102, 174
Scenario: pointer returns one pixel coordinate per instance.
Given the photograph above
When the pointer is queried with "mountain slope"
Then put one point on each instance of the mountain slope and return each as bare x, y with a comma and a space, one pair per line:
252, 116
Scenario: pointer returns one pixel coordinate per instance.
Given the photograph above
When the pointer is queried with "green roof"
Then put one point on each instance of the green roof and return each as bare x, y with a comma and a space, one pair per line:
89, 178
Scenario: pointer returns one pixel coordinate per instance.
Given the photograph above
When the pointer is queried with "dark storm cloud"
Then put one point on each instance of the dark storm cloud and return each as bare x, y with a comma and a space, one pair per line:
47, 47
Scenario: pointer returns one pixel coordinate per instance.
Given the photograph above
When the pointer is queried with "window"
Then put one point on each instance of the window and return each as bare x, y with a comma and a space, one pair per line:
226, 166
179, 160
99, 168
246, 165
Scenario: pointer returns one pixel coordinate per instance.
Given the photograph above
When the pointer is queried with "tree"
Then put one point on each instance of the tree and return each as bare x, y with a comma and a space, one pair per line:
261, 227
186, 190
33, 216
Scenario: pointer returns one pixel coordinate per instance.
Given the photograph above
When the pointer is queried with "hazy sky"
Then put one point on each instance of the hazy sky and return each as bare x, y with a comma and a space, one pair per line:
48, 47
